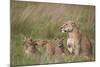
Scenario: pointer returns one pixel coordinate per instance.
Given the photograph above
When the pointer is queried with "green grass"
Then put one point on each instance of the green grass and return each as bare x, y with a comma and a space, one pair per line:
42, 20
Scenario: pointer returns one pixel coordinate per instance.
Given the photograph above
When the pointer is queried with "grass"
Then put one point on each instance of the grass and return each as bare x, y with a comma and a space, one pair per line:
42, 20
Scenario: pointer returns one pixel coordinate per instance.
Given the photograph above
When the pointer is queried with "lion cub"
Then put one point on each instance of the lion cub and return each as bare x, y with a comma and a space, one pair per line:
53, 47
29, 47
49, 46
60, 49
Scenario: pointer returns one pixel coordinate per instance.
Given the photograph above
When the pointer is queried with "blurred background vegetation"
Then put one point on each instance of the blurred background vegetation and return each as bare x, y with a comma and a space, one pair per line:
42, 20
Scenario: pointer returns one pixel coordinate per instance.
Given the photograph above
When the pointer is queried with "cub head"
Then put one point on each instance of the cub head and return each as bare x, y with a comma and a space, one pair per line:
40, 42
27, 42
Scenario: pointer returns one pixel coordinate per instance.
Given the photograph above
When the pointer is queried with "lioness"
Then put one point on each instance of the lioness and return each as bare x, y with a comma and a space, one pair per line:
76, 42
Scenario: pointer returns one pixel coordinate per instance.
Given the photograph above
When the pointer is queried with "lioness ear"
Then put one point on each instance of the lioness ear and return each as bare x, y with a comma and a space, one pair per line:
75, 25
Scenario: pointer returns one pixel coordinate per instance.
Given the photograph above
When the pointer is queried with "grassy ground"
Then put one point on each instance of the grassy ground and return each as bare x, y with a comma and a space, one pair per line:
42, 20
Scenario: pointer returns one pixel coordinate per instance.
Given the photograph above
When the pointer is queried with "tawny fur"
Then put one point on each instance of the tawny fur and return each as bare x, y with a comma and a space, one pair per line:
29, 47
40, 42
53, 47
60, 49
49, 46
76, 42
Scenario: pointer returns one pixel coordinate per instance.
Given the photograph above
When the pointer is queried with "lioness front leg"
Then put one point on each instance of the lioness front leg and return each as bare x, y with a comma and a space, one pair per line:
77, 50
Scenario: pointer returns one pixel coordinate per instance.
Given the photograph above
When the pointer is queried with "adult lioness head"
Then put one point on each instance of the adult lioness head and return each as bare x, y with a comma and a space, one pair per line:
68, 26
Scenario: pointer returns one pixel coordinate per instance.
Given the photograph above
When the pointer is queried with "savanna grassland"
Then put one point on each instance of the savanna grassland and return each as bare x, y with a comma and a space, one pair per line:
42, 20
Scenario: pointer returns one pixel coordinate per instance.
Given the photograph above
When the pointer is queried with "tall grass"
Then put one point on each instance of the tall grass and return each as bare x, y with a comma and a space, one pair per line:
42, 20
